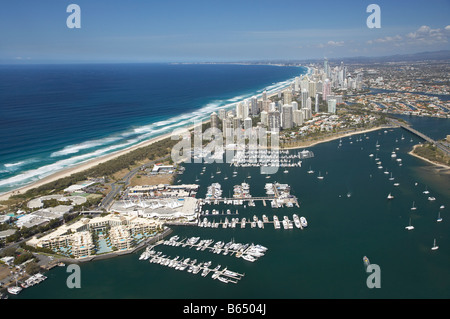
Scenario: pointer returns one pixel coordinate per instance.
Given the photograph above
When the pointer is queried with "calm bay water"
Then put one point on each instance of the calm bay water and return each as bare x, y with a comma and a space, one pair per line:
321, 261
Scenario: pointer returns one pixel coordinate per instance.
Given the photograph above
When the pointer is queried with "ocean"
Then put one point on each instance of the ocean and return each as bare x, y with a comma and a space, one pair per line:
57, 116
324, 260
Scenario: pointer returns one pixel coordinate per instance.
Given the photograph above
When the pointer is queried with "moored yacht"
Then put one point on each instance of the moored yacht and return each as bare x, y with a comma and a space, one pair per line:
409, 227
303, 222
14, 290
434, 245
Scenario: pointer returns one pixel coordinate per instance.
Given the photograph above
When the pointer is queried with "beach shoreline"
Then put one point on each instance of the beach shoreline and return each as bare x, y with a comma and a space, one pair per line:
445, 167
93, 162
82, 167
338, 136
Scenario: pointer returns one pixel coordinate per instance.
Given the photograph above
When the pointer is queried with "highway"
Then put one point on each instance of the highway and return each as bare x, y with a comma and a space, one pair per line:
442, 146
116, 187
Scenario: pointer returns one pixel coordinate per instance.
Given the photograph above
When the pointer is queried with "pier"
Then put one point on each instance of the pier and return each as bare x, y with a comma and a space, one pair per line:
248, 252
255, 222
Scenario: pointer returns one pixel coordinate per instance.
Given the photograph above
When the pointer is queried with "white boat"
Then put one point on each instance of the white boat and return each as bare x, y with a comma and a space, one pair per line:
396, 184
409, 227
310, 171
413, 207
248, 258
297, 221
14, 290
431, 198
442, 207
391, 178
286, 171
390, 196
276, 222
426, 191
320, 176
222, 279
303, 222
439, 219
434, 245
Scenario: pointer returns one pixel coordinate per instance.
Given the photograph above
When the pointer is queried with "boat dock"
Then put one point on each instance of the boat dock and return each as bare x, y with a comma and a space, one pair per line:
255, 222
222, 274
280, 201
248, 252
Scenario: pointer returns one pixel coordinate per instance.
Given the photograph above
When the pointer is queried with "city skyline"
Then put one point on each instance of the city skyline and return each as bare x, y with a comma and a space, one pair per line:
200, 31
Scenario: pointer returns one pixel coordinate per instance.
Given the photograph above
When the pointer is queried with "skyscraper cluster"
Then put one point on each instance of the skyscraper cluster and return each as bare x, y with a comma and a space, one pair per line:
293, 106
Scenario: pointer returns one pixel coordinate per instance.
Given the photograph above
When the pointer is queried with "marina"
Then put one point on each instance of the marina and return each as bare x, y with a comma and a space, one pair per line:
248, 252
278, 194
239, 250
222, 274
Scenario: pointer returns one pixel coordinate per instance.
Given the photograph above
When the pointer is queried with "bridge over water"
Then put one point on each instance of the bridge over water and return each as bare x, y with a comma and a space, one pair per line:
443, 147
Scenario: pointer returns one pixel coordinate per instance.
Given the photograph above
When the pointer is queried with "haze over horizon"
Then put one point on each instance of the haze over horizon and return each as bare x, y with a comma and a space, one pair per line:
212, 31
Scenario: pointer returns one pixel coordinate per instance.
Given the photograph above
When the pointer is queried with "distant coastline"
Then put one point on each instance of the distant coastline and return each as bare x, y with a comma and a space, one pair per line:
93, 162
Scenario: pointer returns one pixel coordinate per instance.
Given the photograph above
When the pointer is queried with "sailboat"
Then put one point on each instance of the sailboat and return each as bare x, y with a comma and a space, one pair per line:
439, 219
426, 191
409, 227
390, 196
391, 178
434, 245
413, 207
196, 178
310, 171
320, 176
377, 145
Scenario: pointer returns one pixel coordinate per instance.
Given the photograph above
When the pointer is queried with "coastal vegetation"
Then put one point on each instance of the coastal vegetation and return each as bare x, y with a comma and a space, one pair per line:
432, 153
126, 161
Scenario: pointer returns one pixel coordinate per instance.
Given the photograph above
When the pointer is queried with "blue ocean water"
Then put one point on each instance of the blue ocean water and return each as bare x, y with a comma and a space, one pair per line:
325, 260
56, 116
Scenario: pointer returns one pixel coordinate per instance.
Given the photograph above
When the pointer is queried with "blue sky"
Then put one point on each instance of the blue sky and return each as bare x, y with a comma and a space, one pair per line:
217, 30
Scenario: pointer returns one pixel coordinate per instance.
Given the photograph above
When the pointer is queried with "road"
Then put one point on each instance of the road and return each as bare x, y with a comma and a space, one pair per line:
116, 187
442, 146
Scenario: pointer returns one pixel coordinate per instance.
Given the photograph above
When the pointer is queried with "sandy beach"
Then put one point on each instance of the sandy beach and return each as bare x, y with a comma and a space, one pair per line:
444, 168
93, 162
335, 137
82, 167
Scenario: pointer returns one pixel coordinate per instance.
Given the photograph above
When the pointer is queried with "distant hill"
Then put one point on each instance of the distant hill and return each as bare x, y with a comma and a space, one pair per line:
443, 55
421, 56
